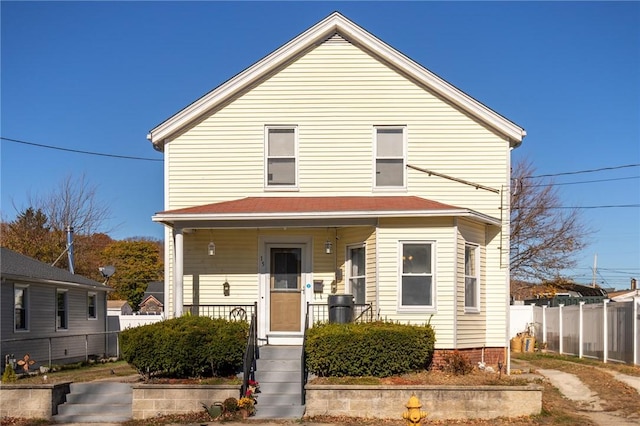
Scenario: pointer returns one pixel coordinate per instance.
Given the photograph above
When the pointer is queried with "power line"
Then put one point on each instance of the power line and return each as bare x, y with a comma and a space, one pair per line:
619, 206
127, 157
582, 181
582, 171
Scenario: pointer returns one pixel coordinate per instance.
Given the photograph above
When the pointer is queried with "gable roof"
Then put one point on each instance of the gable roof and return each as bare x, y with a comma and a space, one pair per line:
116, 304
16, 266
251, 209
154, 289
334, 23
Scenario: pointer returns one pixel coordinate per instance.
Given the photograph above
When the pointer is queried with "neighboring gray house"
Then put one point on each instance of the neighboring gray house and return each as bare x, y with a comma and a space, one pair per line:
49, 315
153, 299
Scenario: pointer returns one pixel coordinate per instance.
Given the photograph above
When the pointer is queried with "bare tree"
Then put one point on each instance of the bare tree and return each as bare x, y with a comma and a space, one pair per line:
74, 203
544, 237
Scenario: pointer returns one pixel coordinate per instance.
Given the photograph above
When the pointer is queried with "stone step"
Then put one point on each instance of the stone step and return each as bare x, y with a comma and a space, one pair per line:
96, 402
280, 352
280, 412
280, 399
96, 408
104, 398
115, 418
266, 376
100, 387
278, 364
270, 388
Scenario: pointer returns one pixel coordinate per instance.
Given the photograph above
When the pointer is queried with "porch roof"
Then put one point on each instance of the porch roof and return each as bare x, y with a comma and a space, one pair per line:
303, 211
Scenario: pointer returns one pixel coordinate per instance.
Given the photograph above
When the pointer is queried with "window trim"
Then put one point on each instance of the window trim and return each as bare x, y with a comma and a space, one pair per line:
296, 158
66, 309
375, 158
476, 254
26, 302
417, 308
95, 305
348, 268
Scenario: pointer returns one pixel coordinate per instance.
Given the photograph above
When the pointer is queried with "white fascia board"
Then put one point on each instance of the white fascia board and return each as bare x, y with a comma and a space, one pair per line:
173, 218
335, 23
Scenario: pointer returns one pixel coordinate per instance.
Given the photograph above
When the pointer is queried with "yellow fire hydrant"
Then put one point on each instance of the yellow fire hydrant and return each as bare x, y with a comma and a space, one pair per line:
414, 415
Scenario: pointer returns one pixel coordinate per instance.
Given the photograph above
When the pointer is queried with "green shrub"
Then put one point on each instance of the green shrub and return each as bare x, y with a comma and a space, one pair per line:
188, 346
378, 349
9, 375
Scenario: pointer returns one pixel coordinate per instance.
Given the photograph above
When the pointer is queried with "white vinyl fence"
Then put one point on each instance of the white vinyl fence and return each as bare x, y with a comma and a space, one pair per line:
608, 331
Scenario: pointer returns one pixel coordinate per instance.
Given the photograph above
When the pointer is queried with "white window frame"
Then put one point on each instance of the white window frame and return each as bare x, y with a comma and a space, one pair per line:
432, 308
26, 303
472, 308
66, 309
295, 157
93, 295
403, 186
349, 269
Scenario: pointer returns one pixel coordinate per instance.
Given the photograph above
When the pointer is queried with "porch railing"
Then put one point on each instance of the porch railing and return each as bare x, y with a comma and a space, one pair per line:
319, 312
251, 354
232, 312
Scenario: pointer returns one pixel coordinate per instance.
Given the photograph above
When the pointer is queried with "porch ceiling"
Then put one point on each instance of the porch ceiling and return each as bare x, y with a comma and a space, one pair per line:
311, 211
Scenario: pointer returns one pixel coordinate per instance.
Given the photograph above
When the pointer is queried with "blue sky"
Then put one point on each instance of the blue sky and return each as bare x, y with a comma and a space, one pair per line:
97, 76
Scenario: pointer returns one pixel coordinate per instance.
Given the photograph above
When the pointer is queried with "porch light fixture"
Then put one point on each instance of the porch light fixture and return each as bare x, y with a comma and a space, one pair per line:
211, 249
328, 247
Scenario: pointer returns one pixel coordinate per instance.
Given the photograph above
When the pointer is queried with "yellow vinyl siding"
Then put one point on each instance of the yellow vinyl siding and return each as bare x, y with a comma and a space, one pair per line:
390, 234
335, 94
471, 327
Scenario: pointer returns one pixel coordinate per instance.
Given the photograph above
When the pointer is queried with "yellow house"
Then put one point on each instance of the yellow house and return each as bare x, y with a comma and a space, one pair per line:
337, 165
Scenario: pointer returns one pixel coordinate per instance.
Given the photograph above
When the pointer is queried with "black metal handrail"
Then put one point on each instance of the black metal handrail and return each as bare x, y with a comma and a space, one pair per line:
303, 360
251, 353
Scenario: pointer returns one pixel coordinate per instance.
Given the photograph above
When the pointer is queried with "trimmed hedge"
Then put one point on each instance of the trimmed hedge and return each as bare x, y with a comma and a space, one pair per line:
184, 347
378, 349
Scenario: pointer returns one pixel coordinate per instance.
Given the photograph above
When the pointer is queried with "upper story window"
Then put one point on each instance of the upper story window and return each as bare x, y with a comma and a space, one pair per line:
390, 156
21, 307
281, 162
471, 278
92, 305
61, 310
416, 275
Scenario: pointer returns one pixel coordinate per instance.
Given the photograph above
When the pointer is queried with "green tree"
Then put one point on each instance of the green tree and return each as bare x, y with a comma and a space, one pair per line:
137, 262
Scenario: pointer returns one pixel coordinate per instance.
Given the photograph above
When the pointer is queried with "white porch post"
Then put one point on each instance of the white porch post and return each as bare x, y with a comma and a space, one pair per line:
178, 276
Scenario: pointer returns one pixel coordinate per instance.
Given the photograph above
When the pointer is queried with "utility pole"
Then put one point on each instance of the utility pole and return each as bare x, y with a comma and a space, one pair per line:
595, 270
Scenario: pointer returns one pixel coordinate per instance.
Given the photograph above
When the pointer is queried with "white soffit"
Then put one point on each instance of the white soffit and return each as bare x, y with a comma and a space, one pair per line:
334, 23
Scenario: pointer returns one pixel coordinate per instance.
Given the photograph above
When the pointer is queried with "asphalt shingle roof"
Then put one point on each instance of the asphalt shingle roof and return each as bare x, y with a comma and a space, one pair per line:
17, 266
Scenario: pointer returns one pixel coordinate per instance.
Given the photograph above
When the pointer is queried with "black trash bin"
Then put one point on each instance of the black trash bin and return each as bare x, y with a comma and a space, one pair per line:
340, 308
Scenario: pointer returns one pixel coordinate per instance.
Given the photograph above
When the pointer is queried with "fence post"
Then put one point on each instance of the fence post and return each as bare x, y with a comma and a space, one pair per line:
605, 326
636, 300
581, 330
560, 331
544, 324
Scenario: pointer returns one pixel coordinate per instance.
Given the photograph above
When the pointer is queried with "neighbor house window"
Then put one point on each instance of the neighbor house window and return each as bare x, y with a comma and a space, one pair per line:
356, 268
21, 307
92, 302
281, 167
61, 310
471, 299
389, 157
416, 267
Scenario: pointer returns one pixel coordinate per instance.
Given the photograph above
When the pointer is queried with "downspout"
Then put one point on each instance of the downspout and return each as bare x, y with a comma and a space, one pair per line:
455, 284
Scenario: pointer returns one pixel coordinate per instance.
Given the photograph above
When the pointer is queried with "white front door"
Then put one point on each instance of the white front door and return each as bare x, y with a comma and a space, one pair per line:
285, 277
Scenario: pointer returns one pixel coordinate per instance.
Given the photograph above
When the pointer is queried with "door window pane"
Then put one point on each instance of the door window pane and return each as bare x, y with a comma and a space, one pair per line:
286, 268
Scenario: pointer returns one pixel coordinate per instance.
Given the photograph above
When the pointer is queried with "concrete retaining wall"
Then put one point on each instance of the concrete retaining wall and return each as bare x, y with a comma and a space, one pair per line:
440, 402
32, 401
159, 400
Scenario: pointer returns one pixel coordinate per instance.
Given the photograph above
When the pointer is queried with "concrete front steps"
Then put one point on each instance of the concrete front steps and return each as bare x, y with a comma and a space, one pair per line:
278, 371
96, 402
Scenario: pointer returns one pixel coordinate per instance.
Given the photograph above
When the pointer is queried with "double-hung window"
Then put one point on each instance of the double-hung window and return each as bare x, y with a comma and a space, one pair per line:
357, 277
390, 157
61, 310
281, 162
416, 275
471, 288
92, 306
21, 307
